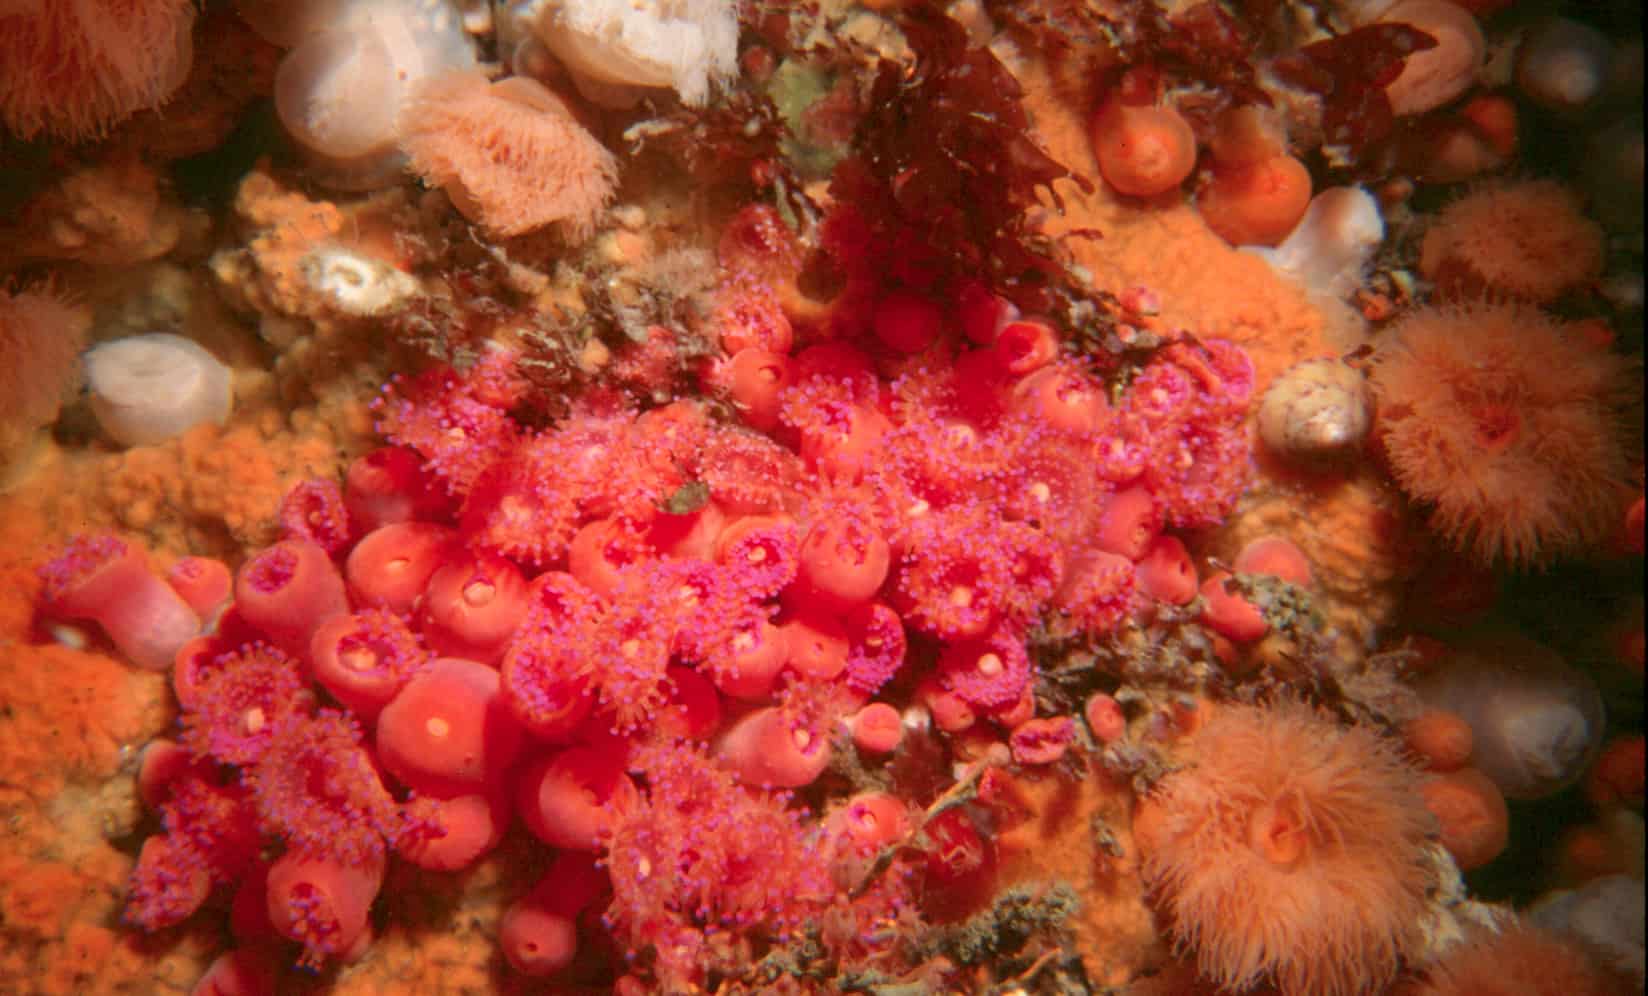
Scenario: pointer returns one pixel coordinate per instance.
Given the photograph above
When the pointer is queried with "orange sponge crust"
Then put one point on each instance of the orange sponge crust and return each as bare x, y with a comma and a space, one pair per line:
69, 713
56, 915
1362, 543
1204, 285
232, 478
1055, 842
71, 720
112, 213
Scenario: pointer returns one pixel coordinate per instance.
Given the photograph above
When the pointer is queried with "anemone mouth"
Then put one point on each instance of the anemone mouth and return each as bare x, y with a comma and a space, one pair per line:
1279, 833
273, 571
1498, 426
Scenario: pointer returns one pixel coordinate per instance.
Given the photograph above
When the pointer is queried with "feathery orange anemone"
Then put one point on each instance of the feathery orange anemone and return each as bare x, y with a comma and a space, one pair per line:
1290, 850
71, 70
40, 339
510, 154
1523, 238
1510, 426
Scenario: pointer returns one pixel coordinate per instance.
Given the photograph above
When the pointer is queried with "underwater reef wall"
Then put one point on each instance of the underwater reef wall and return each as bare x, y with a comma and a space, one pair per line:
890, 497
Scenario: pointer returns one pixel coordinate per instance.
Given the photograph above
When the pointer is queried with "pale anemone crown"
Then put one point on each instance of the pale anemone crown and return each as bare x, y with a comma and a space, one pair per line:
615, 47
1434, 76
1536, 721
1327, 253
146, 389
340, 89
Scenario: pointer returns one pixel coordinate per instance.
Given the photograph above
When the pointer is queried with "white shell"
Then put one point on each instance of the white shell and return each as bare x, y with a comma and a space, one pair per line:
356, 284
1317, 411
339, 91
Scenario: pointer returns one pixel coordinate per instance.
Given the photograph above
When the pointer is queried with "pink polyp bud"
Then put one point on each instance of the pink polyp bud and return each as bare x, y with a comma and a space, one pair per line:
545, 687
694, 709
163, 762
313, 510
1017, 711
391, 566
538, 933
1067, 399
241, 972
240, 701
981, 312
572, 798
989, 673
750, 317
878, 646
536, 941
1042, 741
472, 606
689, 536
1010, 714
1229, 613
169, 883
107, 580
870, 820
289, 589
817, 645
950, 711
321, 902
768, 748
757, 652
1105, 718
197, 661
1276, 557
843, 560
460, 830
204, 582
754, 379
1023, 347
845, 444
364, 659
763, 550
391, 485
449, 732
877, 729
1166, 571
599, 552
1128, 523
